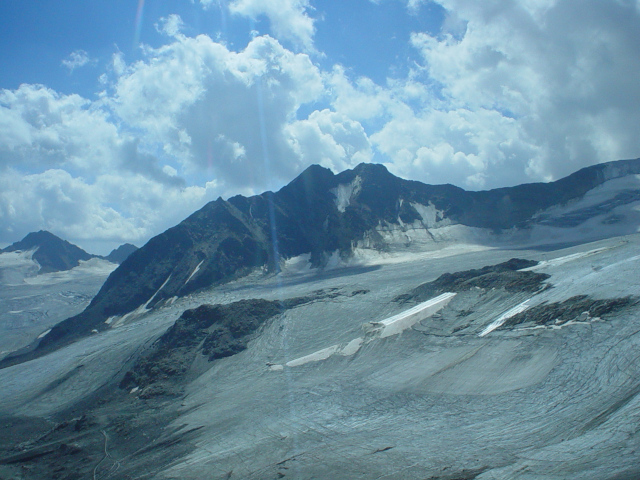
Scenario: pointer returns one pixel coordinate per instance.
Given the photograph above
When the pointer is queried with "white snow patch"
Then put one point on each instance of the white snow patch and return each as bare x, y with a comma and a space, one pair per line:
597, 195
431, 216
194, 272
157, 292
17, 259
560, 327
344, 193
141, 310
597, 226
297, 265
44, 334
402, 321
352, 347
314, 357
391, 326
335, 261
95, 267
568, 258
504, 317
346, 350
365, 257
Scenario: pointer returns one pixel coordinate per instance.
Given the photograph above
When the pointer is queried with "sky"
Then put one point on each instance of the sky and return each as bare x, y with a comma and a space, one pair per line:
118, 119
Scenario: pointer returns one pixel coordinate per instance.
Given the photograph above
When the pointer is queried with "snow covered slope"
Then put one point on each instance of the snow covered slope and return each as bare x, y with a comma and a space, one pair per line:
442, 399
32, 303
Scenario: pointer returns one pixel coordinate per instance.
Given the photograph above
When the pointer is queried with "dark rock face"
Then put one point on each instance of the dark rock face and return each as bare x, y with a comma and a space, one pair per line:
216, 331
580, 307
213, 331
227, 239
53, 254
503, 275
120, 254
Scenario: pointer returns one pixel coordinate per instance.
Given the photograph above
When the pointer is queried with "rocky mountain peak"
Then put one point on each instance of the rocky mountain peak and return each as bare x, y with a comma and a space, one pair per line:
120, 254
51, 252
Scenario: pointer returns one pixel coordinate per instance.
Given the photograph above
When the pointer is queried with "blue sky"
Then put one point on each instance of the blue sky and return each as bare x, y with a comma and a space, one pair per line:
119, 118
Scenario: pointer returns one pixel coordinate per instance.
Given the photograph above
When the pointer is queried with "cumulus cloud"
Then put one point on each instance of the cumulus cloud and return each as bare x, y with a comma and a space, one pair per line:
330, 139
66, 167
76, 59
288, 18
537, 89
42, 127
222, 111
171, 25
98, 215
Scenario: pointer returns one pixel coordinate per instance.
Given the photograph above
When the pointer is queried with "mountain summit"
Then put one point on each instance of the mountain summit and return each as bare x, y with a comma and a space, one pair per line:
323, 214
51, 252
120, 254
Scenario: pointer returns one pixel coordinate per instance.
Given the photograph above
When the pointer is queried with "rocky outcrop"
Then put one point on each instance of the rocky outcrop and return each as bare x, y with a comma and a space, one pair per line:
506, 275
577, 308
210, 331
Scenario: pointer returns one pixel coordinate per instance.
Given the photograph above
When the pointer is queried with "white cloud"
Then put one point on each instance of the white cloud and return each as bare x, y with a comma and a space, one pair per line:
171, 25
288, 18
463, 147
517, 91
77, 59
66, 167
330, 139
42, 127
98, 215
221, 111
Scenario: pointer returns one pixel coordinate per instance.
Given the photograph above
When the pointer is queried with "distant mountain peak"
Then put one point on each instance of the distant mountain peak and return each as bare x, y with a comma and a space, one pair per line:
53, 254
36, 239
120, 254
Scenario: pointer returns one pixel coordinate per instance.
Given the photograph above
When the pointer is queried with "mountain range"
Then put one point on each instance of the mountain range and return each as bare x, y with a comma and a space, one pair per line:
325, 215
54, 254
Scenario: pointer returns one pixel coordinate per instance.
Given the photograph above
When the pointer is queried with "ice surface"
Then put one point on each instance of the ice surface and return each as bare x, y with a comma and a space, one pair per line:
431, 216
30, 304
401, 321
434, 402
116, 322
16, 259
94, 267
